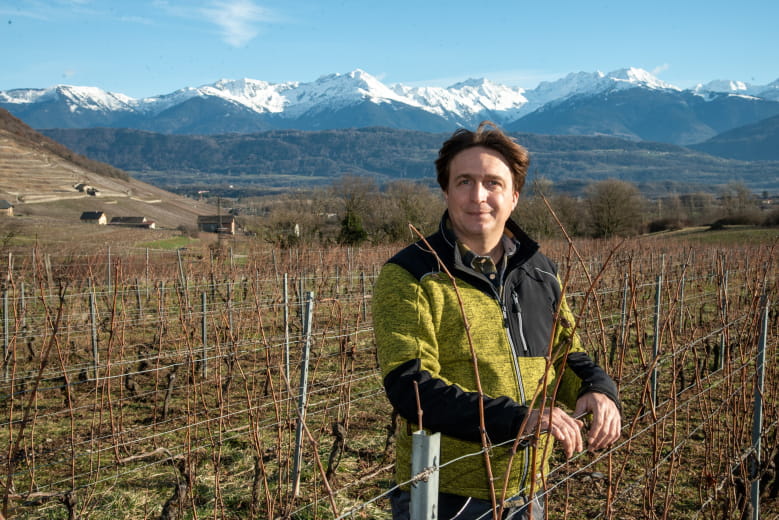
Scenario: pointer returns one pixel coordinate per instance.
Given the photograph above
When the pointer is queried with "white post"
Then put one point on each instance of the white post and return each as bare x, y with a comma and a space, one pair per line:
425, 456
286, 326
307, 319
204, 333
93, 325
757, 425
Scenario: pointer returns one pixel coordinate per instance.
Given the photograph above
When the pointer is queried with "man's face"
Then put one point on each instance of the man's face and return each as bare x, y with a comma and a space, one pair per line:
480, 197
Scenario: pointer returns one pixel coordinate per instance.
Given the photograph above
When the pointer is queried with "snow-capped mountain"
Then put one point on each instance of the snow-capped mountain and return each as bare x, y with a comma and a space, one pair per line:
358, 99
90, 98
337, 91
770, 91
467, 98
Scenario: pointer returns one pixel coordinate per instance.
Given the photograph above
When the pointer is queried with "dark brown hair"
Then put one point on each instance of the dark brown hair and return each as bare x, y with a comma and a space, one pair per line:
489, 136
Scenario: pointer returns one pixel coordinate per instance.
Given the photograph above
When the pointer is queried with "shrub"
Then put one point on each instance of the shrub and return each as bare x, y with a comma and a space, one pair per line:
188, 230
741, 219
772, 219
665, 224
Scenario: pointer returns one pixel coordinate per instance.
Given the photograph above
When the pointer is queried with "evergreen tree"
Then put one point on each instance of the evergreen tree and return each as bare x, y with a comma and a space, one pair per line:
352, 233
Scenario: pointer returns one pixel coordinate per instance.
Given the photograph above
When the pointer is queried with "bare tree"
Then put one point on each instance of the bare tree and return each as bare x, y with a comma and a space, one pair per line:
404, 203
739, 204
572, 214
355, 192
699, 207
737, 199
533, 214
614, 208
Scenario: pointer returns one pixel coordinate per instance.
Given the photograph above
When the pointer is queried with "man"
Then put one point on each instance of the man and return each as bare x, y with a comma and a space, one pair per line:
510, 296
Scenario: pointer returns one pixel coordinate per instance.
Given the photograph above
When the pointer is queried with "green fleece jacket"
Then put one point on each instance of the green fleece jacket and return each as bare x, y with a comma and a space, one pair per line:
421, 337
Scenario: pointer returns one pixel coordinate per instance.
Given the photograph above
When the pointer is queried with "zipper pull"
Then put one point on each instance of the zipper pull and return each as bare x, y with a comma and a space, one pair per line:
518, 311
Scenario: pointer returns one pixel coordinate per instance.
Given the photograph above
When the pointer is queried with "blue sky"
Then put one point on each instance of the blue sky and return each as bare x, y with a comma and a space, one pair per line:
148, 47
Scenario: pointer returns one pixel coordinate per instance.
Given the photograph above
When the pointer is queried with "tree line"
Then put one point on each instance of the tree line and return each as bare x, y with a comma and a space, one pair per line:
356, 209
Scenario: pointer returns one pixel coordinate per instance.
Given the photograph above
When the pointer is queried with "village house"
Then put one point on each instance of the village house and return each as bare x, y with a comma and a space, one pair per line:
139, 222
94, 217
216, 224
6, 208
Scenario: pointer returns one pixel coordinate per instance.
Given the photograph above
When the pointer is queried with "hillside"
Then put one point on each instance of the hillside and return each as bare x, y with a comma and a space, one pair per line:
757, 142
664, 116
277, 160
40, 178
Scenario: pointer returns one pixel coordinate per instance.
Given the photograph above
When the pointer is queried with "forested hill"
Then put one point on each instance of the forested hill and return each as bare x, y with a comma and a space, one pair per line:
304, 158
758, 141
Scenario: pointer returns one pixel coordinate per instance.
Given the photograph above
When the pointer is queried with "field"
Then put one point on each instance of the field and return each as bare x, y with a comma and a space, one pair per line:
241, 381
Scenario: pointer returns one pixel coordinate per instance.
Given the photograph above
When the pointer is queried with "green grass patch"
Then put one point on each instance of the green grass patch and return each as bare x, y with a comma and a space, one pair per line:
729, 235
171, 243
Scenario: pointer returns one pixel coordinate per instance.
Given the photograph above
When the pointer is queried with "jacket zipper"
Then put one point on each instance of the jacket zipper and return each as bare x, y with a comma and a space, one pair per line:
523, 399
514, 358
513, 355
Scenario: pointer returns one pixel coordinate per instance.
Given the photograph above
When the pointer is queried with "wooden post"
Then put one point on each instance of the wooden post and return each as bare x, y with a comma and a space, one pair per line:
6, 335
656, 343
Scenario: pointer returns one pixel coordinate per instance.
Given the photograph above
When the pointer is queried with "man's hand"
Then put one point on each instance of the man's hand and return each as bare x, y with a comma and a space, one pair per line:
606, 421
562, 426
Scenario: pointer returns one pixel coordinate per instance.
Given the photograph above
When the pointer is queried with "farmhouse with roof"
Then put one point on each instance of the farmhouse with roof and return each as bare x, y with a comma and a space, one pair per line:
94, 217
6, 208
216, 224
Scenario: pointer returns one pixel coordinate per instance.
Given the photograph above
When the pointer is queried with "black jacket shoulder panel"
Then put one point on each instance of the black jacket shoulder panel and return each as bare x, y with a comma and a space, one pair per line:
417, 258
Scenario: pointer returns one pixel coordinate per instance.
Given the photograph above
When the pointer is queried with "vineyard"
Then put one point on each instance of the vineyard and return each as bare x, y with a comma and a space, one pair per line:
211, 384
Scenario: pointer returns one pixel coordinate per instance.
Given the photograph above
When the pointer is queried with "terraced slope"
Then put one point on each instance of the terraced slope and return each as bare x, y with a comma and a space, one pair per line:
41, 178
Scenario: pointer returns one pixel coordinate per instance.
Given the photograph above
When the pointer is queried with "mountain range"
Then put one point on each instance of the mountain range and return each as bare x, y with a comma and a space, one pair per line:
628, 103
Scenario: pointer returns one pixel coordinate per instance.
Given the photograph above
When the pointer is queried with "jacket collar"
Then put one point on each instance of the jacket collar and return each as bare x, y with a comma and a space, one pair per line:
525, 246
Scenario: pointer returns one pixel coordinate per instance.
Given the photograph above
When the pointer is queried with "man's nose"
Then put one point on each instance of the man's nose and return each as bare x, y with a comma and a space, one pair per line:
478, 192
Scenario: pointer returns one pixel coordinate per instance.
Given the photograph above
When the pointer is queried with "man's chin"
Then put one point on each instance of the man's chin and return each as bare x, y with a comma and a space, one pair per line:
483, 224
479, 230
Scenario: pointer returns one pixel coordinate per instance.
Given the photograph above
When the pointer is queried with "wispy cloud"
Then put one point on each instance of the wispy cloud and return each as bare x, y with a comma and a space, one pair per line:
34, 10
136, 19
660, 69
65, 10
237, 20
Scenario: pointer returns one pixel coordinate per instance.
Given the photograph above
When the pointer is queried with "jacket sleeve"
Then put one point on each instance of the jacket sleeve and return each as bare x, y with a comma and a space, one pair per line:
407, 350
580, 373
